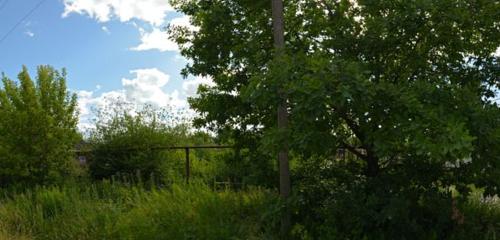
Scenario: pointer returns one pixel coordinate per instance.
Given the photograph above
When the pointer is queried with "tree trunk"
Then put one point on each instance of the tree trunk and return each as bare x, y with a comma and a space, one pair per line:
372, 168
284, 169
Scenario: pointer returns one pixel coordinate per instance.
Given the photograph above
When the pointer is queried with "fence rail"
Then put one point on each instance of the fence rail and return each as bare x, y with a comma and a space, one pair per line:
186, 149
341, 153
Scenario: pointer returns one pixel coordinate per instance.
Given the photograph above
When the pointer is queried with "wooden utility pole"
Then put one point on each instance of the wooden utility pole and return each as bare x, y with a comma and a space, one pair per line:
284, 169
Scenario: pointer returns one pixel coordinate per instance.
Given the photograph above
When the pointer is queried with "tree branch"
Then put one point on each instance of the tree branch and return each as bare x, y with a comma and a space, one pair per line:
354, 151
351, 124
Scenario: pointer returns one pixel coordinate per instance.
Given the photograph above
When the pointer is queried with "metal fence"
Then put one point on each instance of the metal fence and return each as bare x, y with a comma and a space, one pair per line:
186, 149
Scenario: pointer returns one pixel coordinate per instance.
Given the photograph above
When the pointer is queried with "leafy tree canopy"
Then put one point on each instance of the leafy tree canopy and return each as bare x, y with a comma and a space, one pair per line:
407, 86
37, 128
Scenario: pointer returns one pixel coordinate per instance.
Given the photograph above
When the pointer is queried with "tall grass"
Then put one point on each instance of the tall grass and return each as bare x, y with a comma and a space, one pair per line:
114, 211
126, 211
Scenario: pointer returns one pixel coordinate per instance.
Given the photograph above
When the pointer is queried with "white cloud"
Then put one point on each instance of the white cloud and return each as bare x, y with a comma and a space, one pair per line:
183, 21
190, 87
159, 40
87, 100
178, 58
29, 33
147, 86
105, 29
84, 100
150, 11
144, 88
155, 40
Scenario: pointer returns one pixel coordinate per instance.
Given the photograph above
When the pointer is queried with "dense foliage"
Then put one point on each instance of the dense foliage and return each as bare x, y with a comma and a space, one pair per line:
406, 86
130, 142
394, 131
37, 128
122, 143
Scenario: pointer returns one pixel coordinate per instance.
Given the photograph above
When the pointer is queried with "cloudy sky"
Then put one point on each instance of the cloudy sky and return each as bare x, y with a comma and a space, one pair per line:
110, 48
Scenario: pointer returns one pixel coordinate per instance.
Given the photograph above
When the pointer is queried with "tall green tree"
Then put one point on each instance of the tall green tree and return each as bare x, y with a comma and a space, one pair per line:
405, 86
38, 128
397, 83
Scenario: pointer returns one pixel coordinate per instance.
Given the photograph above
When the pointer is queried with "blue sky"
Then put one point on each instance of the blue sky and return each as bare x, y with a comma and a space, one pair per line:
109, 48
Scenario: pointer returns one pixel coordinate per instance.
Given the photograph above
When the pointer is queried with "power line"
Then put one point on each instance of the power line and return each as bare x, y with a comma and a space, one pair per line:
22, 19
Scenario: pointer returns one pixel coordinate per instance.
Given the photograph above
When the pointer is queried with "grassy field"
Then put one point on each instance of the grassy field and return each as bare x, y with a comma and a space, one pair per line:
117, 211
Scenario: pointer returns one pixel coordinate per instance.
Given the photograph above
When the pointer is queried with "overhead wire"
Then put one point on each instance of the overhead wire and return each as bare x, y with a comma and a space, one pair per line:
22, 20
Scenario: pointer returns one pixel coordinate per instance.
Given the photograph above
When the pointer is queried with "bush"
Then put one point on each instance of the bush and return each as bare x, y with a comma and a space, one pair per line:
123, 144
37, 128
481, 216
249, 167
335, 201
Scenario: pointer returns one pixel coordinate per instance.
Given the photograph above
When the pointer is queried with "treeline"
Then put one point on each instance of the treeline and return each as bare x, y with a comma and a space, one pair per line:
40, 143
126, 189
333, 196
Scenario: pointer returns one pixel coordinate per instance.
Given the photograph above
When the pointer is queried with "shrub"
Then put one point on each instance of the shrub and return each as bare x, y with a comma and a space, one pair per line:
249, 167
335, 201
124, 143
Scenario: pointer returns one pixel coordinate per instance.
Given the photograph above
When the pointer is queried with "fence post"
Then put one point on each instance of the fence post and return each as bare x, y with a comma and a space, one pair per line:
188, 168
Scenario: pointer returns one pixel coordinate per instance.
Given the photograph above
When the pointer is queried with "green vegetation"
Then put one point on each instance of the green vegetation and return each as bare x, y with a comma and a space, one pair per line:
393, 132
407, 87
37, 128
122, 144
125, 143
116, 211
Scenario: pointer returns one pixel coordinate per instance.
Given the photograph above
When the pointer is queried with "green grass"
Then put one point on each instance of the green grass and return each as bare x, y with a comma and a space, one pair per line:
123, 211
115, 211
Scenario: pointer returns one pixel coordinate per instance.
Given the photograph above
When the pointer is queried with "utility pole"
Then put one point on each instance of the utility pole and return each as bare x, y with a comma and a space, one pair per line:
284, 168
